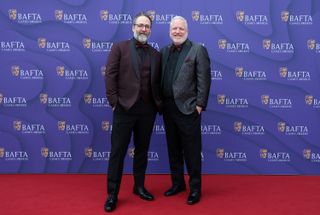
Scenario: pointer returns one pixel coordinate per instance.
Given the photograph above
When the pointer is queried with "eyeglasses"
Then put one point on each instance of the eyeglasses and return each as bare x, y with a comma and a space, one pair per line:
143, 26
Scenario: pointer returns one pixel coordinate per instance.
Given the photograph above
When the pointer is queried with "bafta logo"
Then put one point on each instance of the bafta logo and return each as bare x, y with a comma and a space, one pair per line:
12, 14
103, 71
1, 98
266, 44
265, 99
151, 14
239, 72
105, 125
240, 15
42, 42
308, 99
281, 127
220, 153
104, 14
307, 154
58, 14
263, 153
15, 70
221, 99
131, 152
285, 16
44, 152
87, 98
237, 126
283, 72
88, 152
86, 43
195, 15
222, 43
311, 44
2, 152
61, 125
60, 70
17, 125
43, 98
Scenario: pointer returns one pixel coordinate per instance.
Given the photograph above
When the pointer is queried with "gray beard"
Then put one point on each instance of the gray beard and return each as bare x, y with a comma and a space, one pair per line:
140, 37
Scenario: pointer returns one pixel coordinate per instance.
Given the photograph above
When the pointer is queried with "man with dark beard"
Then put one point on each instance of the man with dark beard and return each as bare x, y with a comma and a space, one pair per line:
132, 88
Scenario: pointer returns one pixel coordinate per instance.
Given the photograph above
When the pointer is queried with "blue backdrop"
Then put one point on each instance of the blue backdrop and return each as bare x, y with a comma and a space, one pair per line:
263, 112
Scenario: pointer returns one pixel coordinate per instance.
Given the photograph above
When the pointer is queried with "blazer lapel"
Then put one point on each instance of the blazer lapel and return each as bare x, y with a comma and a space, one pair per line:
134, 58
182, 56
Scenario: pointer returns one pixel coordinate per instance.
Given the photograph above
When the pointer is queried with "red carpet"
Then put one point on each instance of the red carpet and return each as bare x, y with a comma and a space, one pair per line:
222, 195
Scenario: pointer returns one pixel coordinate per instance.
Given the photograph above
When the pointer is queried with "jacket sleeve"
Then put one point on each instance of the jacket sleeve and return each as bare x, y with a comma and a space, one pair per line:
111, 75
203, 76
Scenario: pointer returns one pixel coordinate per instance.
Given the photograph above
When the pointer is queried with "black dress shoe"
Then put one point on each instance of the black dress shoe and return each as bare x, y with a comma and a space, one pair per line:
110, 204
175, 189
193, 197
143, 193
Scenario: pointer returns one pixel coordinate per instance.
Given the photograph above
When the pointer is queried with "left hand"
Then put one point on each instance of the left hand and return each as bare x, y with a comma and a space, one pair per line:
199, 109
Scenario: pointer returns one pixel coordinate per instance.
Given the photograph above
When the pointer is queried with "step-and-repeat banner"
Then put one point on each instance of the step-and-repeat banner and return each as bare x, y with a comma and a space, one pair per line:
263, 113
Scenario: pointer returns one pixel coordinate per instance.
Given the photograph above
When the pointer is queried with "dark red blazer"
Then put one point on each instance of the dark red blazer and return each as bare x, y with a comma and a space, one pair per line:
123, 75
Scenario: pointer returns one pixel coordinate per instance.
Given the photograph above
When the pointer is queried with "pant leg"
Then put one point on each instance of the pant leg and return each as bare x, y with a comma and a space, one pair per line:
120, 138
174, 144
190, 134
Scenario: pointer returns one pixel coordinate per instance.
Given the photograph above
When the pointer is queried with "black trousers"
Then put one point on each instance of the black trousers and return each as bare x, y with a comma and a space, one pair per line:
138, 120
183, 134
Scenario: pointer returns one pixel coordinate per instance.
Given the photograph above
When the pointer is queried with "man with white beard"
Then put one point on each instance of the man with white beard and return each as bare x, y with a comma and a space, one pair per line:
133, 91
185, 87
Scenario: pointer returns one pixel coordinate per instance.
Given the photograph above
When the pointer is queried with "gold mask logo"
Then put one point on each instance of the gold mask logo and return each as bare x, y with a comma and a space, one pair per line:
283, 72
1, 98
44, 152
131, 152
237, 126
15, 70
220, 153
43, 98
12, 14
61, 125
311, 44
104, 14
221, 99
281, 127
17, 125
263, 153
86, 42
239, 71
103, 71
42, 42
265, 99
240, 15
60, 70
307, 154
87, 98
151, 14
2, 150
195, 15
222, 43
266, 44
58, 14
105, 125
308, 99
285, 16
88, 152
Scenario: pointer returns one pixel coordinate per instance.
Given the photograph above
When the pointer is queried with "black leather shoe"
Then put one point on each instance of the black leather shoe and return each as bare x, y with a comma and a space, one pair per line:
193, 197
175, 189
110, 204
143, 193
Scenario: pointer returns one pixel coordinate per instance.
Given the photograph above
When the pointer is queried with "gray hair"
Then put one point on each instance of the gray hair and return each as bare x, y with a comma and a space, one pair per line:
179, 18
